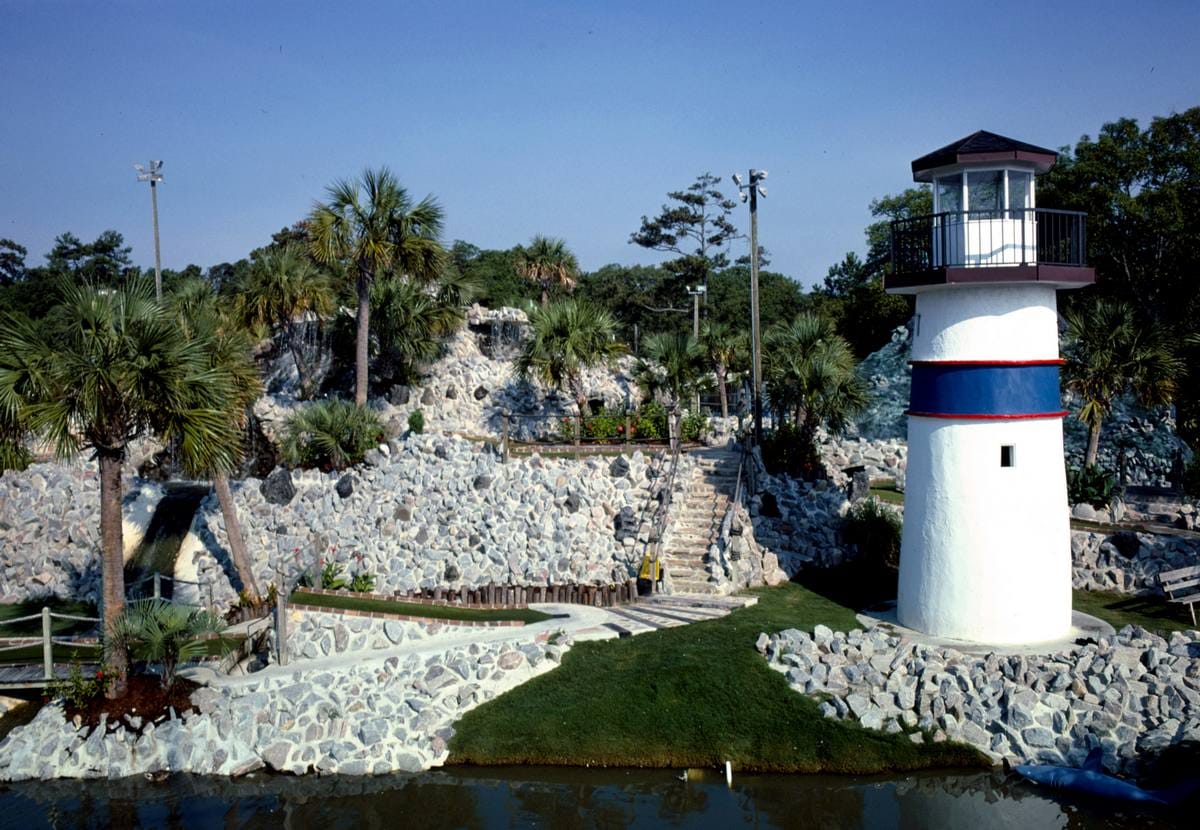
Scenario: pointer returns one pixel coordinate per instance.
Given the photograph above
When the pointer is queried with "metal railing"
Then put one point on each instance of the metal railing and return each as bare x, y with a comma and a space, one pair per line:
47, 639
158, 578
662, 514
578, 434
989, 238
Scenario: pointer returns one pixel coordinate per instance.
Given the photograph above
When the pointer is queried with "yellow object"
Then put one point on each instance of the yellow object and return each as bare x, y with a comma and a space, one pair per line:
647, 565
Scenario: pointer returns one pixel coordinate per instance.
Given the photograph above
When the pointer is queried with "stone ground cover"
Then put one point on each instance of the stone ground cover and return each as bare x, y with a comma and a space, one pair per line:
689, 697
416, 609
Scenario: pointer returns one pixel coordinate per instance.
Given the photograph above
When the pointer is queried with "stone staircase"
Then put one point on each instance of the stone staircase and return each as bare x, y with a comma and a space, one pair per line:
658, 612
696, 520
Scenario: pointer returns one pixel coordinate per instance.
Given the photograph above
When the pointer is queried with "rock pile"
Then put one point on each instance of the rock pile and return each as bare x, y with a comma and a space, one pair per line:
50, 528
435, 511
382, 716
1129, 693
1126, 561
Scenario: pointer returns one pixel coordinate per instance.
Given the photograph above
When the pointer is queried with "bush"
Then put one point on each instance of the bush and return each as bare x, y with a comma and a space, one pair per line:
693, 426
1191, 478
875, 530
78, 691
330, 435
332, 576
13, 456
1091, 485
416, 422
363, 582
162, 632
651, 422
787, 451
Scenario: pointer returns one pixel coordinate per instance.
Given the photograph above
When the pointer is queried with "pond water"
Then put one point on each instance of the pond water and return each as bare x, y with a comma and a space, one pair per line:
567, 798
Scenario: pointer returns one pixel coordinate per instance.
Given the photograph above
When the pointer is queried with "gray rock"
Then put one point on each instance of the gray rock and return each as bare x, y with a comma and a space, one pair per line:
345, 486
619, 467
427, 397
277, 488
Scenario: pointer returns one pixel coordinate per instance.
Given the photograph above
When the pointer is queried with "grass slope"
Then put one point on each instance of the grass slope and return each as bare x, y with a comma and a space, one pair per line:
1150, 612
694, 696
441, 612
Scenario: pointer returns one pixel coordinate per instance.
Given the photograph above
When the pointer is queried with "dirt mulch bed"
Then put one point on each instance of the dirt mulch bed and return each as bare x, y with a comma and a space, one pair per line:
145, 699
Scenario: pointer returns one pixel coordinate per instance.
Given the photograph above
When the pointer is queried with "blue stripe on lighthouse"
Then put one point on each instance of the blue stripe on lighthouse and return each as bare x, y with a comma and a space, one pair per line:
985, 390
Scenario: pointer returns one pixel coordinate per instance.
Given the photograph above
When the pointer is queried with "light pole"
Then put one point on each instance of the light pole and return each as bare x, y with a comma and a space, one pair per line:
153, 173
696, 293
752, 191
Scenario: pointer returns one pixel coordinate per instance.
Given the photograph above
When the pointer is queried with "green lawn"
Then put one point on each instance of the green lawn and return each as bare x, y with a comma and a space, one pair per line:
887, 493
1150, 612
440, 612
694, 696
33, 628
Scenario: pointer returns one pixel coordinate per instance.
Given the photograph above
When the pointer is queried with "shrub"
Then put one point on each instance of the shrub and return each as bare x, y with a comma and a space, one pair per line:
330, 435
605, 426
333, 576
78, 691
416, 422
788, 451
651, 422
1092, 485
875, 530
1191, 478
13, 455
693, 426
162, 632
363, 582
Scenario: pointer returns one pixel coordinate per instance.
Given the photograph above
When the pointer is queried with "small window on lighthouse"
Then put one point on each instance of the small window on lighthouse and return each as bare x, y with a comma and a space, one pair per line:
1006, 455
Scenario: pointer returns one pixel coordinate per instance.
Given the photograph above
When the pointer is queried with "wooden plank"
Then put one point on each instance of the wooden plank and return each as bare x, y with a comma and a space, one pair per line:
1179, 573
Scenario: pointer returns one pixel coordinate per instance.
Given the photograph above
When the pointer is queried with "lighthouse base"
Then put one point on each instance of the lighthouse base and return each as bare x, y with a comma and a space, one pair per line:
986, 551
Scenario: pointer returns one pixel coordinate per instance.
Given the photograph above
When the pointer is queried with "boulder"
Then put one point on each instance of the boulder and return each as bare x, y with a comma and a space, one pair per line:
619, 468
399, 395
427, 398
480, 393
625, 524
345, 485
277, 488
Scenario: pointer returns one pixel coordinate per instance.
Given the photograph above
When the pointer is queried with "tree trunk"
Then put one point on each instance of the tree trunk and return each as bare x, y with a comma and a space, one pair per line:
112, 562
545, 296
237, 542
721, 390
1093, 447
362, 341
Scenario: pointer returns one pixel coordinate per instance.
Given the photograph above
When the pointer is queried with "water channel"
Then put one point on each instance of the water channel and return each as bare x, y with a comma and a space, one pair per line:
552, 797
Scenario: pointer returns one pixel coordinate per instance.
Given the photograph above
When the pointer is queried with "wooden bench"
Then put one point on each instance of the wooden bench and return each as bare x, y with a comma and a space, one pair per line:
1182, 585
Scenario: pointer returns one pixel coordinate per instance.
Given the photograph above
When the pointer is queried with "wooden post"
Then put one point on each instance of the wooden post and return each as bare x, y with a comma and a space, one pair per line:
578, 433
504, 440
280, 621
628, 427
157, 585
47, 645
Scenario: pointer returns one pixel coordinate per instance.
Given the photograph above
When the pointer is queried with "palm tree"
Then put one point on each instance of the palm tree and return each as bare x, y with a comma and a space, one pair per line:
548, 263
565, 338
1111, 354
117, 366
810, 372
373, 228
673, 364
282, 289
230, 355
725, 348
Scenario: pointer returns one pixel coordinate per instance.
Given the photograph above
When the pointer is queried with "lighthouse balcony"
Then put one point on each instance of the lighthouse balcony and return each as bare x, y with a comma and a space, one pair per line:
989, 246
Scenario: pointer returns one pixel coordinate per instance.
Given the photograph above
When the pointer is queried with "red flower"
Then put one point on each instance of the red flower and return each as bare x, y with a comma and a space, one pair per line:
99, 675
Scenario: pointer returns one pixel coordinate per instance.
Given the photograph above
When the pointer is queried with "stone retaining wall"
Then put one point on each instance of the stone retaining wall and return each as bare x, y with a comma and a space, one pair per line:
1127, 561
314, 633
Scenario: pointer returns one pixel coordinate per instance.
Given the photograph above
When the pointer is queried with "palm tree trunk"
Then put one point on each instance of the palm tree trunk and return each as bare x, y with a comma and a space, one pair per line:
233, 533
112, 562
1093, 447
721, 390
545, 295
362, 341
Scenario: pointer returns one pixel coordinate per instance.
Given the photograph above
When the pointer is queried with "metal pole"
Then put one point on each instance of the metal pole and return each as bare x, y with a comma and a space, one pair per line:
158, 586
696, 335
157, 255
47, 645
755, 334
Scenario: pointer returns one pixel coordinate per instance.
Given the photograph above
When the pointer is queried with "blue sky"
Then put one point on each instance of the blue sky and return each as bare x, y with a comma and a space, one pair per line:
566, 118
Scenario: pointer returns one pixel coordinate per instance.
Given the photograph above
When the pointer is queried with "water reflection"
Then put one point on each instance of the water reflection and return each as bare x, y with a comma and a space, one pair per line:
562, 799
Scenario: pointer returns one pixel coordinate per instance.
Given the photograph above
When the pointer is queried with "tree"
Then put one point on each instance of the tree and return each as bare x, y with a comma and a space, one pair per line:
373, 228
810, 374
230, 356
644, 299
673, 364
780, 298
118, 366
725, 348
1111, 353
162, 632
12, 262
565, 338
493, 272
102, 262
286, 292
549, 264
696, 229
410, 324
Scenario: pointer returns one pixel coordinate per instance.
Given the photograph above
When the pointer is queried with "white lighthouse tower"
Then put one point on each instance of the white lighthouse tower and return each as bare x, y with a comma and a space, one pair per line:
986, 552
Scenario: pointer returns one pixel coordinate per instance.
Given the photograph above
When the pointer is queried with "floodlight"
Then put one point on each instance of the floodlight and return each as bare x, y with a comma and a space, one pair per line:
759, 175
737, 179
762, 191
742, 195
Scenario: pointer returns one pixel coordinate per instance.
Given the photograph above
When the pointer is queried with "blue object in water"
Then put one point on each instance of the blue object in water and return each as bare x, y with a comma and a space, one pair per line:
1092, 780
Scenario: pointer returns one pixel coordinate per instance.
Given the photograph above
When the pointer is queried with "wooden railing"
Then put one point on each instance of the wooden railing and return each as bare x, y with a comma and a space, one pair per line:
47, 640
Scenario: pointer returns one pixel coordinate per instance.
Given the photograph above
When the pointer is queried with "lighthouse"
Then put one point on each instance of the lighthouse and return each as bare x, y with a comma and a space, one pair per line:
986, 551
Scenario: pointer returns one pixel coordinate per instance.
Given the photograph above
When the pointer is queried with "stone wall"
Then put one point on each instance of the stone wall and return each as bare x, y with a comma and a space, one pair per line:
316, 634
1130, 693
1126, 561
375, 717
440, 511
50, 528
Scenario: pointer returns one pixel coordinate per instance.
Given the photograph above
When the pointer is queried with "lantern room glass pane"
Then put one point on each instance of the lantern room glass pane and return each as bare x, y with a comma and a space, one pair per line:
949, 194
1019, 186
985, 193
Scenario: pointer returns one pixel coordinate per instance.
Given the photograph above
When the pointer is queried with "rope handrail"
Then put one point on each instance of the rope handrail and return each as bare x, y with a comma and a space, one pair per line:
36, 616
72, 617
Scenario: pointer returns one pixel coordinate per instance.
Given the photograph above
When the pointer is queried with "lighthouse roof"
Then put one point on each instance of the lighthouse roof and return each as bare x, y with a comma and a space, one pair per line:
982, 147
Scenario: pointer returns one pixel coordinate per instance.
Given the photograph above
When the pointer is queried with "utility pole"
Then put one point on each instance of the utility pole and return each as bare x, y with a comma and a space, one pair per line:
697, 292
755, 189
153, 173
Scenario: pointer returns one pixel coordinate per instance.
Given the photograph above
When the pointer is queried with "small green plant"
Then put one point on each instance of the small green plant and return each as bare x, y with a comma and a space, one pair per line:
363, 582
693, 426
1092, 485
333, 576
330, 435
416, 422
788, 450
651, 422
158, 631
13, 455
76, 689
875, 530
